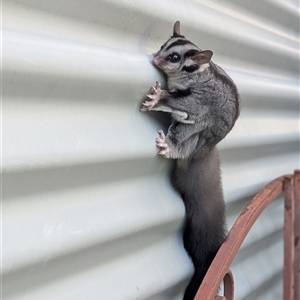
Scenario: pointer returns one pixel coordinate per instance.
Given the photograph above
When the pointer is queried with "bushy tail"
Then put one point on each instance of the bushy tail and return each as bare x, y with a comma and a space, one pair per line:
199, 183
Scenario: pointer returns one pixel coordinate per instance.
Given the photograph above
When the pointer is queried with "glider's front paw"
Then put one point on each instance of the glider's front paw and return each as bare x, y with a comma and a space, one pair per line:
154, 97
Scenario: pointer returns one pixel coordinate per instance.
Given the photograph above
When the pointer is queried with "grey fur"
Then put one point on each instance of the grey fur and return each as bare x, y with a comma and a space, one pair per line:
212, 106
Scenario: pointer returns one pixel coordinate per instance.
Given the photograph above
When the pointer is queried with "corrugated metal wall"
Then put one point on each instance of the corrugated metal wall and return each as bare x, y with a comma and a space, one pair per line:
88, 211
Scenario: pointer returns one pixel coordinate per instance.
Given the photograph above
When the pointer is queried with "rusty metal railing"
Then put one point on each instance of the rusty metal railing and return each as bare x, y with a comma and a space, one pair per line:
220, 268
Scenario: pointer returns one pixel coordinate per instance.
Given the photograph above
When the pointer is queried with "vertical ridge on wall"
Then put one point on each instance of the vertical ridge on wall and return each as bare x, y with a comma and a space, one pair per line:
88, 211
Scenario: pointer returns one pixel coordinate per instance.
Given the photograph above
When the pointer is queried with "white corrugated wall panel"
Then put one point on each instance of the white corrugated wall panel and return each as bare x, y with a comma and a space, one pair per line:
87, 208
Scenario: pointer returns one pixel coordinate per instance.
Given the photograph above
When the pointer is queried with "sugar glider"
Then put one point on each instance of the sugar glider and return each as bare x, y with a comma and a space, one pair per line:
204, 104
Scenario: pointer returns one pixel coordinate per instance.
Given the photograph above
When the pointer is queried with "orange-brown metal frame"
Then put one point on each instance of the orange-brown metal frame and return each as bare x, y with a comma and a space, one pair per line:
220, 268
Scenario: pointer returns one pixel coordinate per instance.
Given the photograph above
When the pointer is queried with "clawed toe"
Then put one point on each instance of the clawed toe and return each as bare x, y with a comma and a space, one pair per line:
147, 103
163, 152
153, 89
161, 134
161, 144
152, 97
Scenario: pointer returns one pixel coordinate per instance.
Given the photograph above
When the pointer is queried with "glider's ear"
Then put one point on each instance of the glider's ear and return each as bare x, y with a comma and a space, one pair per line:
176, 30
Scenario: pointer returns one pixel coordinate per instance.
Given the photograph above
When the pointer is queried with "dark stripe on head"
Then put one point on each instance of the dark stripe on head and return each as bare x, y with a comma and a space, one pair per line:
191, 53
190, 69
179, 43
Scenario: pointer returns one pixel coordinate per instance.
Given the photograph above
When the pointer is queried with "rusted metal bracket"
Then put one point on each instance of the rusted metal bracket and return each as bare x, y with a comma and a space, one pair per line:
219, 270
296, 241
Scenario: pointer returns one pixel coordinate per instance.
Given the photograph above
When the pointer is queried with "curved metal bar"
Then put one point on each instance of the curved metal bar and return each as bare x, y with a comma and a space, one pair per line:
296, 241
228, 286
288, 239
220, 265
